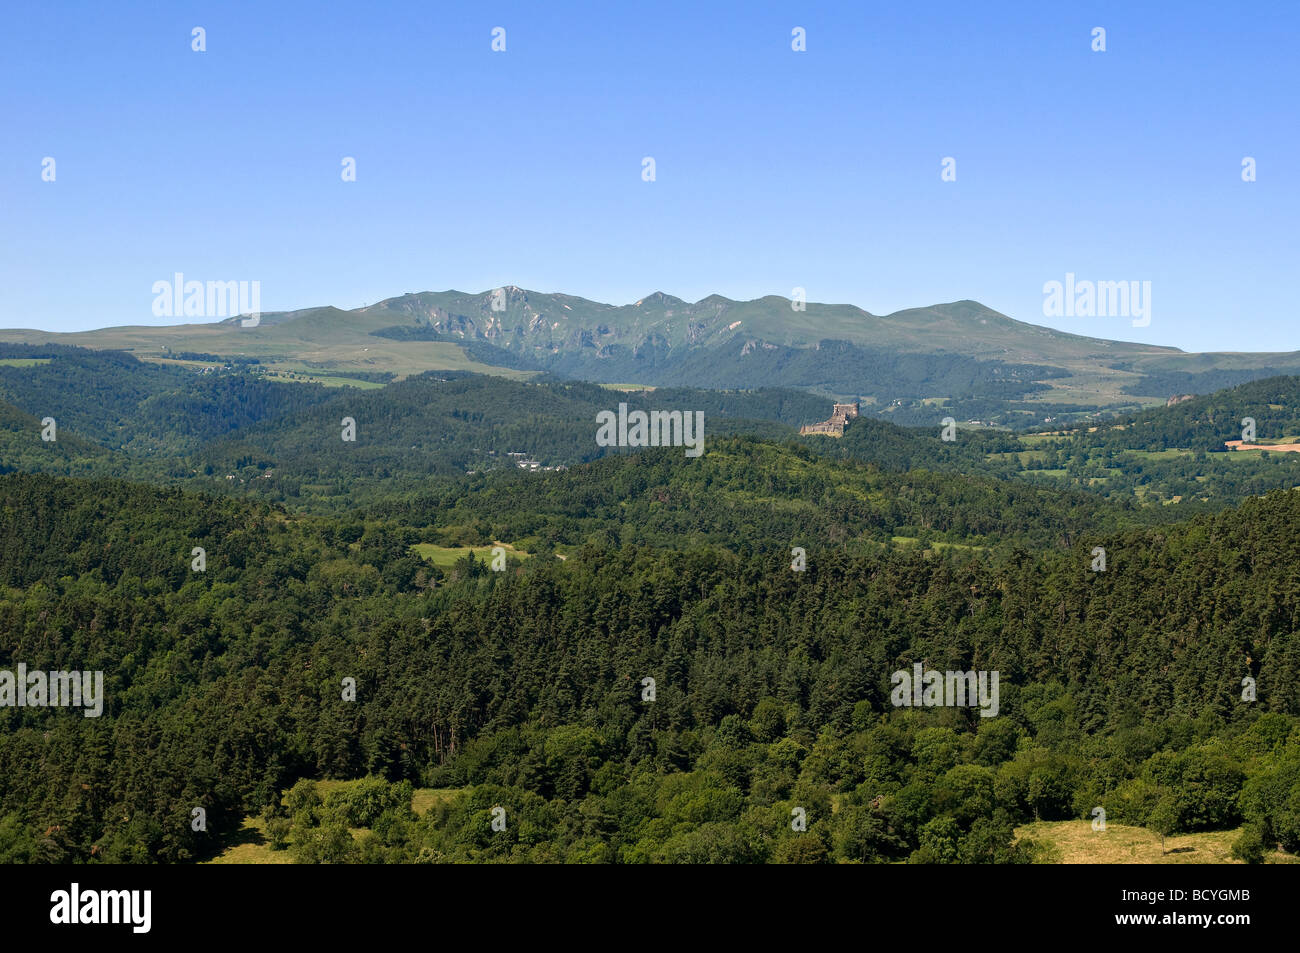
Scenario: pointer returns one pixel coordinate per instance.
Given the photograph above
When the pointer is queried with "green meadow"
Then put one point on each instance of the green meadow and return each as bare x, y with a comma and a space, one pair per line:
444, 557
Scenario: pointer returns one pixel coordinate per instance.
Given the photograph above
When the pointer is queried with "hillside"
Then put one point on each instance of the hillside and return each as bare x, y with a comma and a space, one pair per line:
523, 689
1174, 454
176, 423
755, 495
1209, 421
234, 427
912, 366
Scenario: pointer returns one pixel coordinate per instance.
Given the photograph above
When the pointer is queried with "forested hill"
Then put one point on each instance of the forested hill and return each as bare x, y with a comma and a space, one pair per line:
149, 415
524, 688
112, 530
118, 416
750, 494
445, 424
22, 449
1175, 454
232, 429
1207, 422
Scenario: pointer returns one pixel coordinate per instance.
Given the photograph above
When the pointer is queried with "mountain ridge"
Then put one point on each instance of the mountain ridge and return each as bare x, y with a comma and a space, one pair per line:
977, 363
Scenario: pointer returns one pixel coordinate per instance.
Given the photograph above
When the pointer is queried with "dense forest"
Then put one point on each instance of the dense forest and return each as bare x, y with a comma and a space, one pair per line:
752, 494
677, 660
524, 688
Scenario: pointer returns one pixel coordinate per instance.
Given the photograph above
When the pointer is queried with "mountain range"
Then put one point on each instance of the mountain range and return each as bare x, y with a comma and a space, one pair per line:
962, 357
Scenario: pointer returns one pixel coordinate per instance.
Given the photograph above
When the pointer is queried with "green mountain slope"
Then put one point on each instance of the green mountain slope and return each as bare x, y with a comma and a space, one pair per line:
1209, 421
976, 363
444, 424
23, 450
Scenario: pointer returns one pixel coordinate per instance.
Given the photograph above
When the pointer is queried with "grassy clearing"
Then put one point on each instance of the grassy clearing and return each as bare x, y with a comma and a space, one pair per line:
24, 361
177, 362
444, 557
275, 372
1075, 842
934, 546
1022, 458
250, 844
1025, 457
426, 798
329, 380
1158, 454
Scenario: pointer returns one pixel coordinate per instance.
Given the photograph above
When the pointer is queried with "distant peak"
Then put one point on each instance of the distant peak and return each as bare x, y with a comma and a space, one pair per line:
658, 298
715, 299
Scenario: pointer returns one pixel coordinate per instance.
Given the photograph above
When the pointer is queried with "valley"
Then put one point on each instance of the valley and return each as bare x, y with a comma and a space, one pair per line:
407, 648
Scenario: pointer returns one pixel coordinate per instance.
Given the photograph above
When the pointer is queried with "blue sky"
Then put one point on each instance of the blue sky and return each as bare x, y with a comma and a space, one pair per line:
774, 169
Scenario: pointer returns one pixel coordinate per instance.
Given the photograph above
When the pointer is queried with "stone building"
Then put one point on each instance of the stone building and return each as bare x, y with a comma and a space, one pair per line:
841, 414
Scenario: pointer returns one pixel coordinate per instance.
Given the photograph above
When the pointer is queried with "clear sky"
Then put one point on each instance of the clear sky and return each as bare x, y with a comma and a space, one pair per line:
774, 168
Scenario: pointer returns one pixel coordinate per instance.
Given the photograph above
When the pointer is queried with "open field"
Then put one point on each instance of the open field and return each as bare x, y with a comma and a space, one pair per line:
1075, 842
935, 546
444, 557
250, 845
1280, 447
315, 377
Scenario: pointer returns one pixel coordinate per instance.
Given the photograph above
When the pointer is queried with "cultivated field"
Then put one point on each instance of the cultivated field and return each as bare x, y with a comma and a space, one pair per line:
1075, 842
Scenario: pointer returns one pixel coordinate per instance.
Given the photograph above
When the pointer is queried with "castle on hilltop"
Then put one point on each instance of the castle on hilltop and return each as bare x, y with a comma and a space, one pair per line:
840, 416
